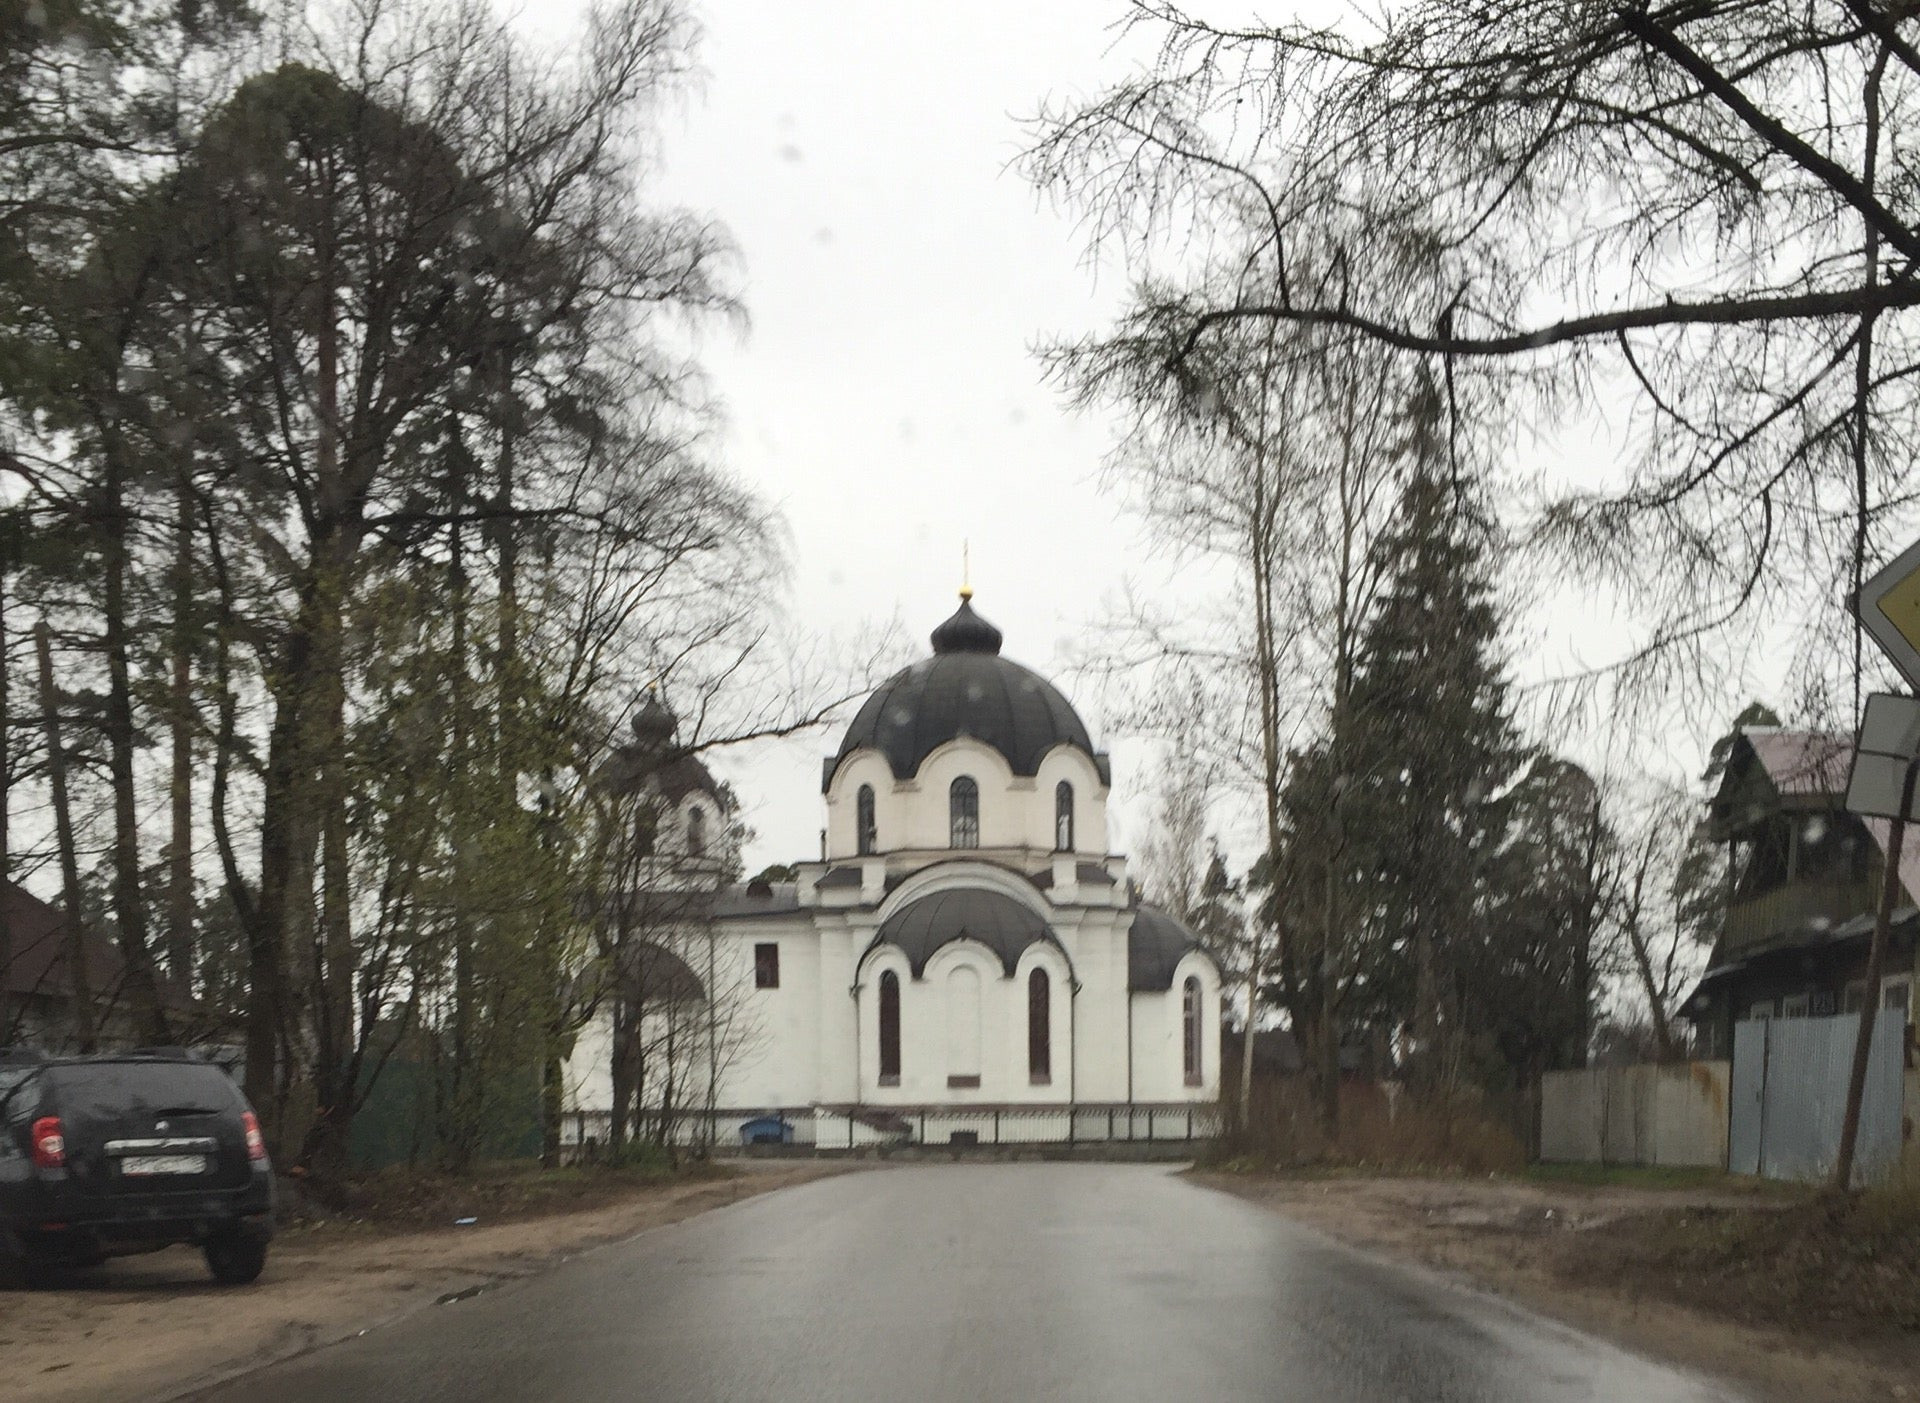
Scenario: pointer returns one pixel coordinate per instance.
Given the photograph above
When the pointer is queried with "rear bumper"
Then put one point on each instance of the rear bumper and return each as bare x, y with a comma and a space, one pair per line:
67, 1222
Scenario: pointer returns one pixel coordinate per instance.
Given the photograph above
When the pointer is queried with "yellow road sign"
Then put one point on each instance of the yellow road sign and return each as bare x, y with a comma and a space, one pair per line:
1889, 609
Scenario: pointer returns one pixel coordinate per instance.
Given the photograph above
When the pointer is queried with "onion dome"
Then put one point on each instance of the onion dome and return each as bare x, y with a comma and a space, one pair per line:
966, 689
654, 724
966, 632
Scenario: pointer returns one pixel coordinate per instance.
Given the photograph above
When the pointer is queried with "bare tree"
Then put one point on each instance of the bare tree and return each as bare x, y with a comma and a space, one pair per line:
1701, 205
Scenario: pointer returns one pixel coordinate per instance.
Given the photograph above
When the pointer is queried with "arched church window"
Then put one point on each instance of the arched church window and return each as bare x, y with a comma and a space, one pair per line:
1063, 817
1190, 1014
696, 832
1039, 1028
868, 834
963, 813
889, 1029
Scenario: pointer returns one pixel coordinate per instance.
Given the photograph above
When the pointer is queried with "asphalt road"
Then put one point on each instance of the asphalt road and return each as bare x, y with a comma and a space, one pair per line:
976, 1282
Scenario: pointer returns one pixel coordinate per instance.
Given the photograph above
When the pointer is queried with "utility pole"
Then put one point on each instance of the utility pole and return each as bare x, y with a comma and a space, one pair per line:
1876, 961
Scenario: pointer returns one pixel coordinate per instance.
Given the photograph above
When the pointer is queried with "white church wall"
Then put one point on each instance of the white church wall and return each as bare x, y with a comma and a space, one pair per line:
964, 1018
1015, 812
1097, 941
1058, 1084
588, 1072
771, 1062
1069, 763
1159, 1030
836, 1053
928, 815
890, 808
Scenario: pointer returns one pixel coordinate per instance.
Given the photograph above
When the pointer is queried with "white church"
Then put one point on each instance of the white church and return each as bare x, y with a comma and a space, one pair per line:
966, 962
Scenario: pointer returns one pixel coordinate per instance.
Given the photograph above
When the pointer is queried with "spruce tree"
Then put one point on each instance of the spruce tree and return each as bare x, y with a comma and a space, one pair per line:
1427, 757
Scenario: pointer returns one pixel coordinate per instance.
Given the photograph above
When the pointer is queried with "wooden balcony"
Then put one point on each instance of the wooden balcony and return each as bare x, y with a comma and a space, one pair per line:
1794, 907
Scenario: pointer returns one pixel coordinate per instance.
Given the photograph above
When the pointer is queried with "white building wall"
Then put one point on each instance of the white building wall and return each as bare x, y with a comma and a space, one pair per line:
1098, 942
1015, 812
796, 1045
774, 1061
1159, 1030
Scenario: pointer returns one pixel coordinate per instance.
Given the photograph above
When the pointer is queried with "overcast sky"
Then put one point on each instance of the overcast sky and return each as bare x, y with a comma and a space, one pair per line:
886, 399
897, 275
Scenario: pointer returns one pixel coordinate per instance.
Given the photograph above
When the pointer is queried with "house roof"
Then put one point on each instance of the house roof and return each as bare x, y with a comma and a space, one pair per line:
39, 965
757, 899
1770, 770
1815, 765
1156, 942
1802, 762
1903, 924
1087, 874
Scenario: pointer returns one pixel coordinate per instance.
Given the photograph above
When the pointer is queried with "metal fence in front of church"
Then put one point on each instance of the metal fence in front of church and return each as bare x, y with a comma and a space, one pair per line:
585, 1135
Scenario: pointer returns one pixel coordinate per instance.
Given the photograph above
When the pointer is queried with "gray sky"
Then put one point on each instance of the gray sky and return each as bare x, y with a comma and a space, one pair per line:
896, 274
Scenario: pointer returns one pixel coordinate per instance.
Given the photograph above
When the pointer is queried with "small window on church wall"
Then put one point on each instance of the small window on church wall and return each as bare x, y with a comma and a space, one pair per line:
889, 1029
697, 832
963, 813
1063, 817
766, 966
868, 838
1190, 1012
1039, 1028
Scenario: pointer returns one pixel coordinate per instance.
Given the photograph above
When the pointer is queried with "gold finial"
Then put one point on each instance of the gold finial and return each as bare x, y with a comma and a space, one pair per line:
966, 574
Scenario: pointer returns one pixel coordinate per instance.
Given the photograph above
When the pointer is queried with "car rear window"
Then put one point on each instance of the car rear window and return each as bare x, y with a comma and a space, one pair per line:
117, 1088
10, 1079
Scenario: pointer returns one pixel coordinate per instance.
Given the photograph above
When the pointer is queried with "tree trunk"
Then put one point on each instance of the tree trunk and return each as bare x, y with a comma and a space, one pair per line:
1246, 1039
129, 902
336, 1070
180, 924
79, 978
1643, 964
553, 1104
6, 808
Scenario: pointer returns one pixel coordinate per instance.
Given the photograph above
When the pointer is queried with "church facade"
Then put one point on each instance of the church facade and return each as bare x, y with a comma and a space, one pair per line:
966, 956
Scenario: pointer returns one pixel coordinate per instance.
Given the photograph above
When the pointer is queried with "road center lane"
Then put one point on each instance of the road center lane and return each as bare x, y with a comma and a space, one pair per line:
977, 1281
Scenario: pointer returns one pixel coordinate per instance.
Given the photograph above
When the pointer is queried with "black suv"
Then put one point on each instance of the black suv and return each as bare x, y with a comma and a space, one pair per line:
109, 1155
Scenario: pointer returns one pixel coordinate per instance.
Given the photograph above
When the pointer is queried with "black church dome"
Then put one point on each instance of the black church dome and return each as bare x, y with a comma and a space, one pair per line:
966, 689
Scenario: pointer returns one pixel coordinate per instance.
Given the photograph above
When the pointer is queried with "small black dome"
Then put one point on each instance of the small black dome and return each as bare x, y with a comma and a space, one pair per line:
966, 632
965, 689
653, 723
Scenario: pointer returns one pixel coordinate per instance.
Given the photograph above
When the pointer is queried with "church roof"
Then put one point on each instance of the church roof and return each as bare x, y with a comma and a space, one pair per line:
1156, 942
996, 920
1087, 874
965, 689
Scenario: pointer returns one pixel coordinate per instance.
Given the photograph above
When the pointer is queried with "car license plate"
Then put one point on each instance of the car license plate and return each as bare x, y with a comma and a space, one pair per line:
139, 1165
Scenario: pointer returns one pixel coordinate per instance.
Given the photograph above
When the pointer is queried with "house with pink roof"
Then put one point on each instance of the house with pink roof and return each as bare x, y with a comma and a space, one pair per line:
1803, 882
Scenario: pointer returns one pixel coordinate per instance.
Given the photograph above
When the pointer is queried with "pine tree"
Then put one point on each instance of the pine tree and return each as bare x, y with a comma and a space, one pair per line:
1425, 765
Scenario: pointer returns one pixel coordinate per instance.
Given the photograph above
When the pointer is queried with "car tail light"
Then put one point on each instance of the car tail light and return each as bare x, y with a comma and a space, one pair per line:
256, 1142
49, 1145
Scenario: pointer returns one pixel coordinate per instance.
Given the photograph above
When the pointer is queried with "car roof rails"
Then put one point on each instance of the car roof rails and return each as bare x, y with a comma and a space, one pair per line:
167, 1054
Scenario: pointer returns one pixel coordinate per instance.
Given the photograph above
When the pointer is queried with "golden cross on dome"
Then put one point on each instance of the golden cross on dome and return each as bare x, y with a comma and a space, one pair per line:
966, 573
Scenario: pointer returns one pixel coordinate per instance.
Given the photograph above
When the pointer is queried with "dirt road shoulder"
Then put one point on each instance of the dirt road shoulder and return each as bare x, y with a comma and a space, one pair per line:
155, 1327
1526, 1241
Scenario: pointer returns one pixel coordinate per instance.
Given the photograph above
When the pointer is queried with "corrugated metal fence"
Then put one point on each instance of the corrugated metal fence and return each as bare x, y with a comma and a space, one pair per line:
1790, 1096
1673, 1114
